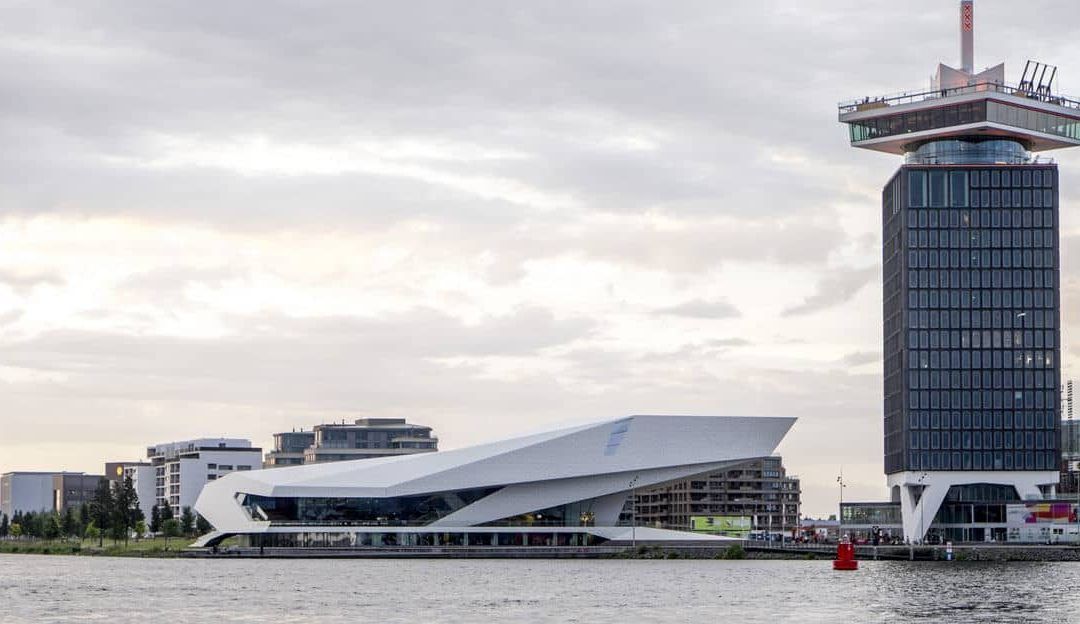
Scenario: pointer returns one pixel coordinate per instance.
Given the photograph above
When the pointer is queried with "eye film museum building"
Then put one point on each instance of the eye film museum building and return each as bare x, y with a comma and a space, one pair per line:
566, 487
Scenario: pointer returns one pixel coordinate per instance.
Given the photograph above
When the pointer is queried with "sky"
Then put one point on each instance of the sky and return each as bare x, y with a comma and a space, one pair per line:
486, 217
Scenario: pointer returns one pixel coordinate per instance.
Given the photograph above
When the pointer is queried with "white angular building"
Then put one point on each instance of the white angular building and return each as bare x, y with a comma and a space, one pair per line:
559, 488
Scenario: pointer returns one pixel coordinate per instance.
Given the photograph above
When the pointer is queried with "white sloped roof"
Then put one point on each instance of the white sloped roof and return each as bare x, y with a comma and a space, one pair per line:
655, 447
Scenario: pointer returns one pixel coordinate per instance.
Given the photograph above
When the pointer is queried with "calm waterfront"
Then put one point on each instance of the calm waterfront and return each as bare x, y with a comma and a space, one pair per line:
62, 589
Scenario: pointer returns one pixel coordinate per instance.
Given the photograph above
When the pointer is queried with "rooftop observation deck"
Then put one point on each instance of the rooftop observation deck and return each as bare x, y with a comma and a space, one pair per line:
896, 123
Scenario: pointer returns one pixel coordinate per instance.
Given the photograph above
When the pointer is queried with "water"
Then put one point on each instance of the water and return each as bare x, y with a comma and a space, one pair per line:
88, 589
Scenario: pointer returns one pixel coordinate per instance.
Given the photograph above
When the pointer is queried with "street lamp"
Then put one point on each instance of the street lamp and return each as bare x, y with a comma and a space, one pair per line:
840, 525
633, 513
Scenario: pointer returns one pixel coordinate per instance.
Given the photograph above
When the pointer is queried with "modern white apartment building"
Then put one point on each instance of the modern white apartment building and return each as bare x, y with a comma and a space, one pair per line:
181, 469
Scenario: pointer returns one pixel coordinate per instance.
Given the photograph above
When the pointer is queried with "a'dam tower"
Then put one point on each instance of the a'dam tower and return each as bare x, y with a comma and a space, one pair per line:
971, 283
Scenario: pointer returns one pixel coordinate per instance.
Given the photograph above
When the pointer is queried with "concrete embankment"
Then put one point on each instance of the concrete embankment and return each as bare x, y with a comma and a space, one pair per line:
748, 550
960, 552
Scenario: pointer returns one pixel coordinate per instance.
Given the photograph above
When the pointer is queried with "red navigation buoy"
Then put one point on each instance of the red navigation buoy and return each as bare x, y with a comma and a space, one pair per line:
845, 556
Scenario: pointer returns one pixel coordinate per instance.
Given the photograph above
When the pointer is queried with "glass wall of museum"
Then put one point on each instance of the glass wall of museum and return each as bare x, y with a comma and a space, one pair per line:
982, 346
323, 539
415, 510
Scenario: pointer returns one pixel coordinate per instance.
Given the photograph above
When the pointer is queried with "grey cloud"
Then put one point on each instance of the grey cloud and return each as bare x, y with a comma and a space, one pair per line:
858, 358
708, 244
729, 342
11, 316
701, 308
22, 281
1070, 254
509, 80
836, 288
420, 333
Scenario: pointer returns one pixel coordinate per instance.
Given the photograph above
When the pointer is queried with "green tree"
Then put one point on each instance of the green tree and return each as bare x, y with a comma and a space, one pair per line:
82, 519
16, 530
202, 525
125, 509
5, 526
92, 532
155, 519
69, 525
101, 509
171, 528
52, 526
34, 524
140, 529
187, 521
166, 513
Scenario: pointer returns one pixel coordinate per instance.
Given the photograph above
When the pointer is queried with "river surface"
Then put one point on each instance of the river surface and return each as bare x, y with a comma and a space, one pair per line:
36, 588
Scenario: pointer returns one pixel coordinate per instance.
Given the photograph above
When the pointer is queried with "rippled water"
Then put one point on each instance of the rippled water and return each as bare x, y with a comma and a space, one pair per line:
64, 589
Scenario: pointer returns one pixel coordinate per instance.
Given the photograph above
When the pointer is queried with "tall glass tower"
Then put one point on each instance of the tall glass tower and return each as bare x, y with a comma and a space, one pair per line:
971, 283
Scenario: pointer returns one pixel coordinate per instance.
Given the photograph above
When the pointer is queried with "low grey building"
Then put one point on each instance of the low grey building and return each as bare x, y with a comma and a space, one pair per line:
1070, 457
44, 491
25, 492
72, 490
289, 447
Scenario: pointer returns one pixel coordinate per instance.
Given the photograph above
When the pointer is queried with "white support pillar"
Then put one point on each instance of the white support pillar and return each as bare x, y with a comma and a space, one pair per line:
934, 485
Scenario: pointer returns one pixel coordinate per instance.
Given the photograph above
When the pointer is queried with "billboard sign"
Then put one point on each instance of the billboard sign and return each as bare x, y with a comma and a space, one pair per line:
732, 526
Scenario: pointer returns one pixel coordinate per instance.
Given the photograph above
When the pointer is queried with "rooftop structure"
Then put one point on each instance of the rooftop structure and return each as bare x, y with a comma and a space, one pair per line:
962, 109
562, 487
364, 438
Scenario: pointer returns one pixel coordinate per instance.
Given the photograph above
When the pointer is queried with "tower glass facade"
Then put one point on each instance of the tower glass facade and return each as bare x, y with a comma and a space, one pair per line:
971, 317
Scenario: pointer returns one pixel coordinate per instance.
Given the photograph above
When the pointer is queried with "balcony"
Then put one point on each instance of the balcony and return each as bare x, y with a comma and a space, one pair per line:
908, 97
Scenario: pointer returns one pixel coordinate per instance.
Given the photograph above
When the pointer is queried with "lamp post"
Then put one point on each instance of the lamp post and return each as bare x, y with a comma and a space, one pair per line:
633, 513
840, 525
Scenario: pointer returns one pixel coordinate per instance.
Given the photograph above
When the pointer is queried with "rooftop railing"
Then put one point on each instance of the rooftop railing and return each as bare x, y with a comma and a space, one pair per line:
908, 97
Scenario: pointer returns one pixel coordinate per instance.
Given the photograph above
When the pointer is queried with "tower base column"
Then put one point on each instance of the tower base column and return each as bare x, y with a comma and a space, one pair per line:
923, 492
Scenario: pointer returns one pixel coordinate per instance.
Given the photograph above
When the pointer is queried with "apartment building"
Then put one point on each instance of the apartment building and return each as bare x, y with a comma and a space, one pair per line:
181, 469
758, 495
364, 438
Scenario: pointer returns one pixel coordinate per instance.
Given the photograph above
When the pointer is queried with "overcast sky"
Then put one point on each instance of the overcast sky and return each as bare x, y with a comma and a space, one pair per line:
481, 216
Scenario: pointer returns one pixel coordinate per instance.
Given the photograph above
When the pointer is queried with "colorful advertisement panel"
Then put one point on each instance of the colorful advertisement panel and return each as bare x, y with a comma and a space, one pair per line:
732, 526
1041, 513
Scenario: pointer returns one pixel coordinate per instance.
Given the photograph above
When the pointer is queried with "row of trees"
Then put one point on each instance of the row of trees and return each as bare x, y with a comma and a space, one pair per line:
113, 512
189, 523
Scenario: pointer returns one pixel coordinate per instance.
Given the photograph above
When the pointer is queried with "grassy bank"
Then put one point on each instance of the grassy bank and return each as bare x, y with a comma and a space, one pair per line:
149, 547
